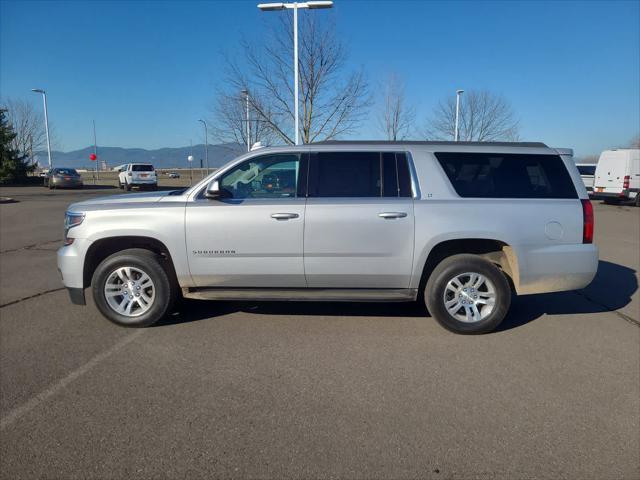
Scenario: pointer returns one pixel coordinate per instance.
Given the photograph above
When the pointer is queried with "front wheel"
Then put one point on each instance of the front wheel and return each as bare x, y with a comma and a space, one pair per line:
468, 294
132, 289
127, 186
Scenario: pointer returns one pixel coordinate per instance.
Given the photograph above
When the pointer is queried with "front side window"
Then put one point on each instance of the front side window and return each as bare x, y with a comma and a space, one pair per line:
269, 176
489, 175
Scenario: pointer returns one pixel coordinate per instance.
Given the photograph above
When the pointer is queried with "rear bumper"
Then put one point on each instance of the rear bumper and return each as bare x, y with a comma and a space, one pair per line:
151, 181
557, 268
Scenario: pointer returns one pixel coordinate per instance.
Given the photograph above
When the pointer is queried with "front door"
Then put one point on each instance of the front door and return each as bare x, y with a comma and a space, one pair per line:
359, 227
254, 237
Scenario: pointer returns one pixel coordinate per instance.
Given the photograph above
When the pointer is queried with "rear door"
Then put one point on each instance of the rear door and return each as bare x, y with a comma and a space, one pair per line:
610, 172
359, 227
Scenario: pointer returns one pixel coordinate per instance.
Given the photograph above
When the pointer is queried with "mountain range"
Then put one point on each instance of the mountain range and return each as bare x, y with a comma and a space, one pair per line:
160, 158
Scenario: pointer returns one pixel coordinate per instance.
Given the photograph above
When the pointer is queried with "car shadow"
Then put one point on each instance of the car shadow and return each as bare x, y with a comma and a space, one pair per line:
610, 290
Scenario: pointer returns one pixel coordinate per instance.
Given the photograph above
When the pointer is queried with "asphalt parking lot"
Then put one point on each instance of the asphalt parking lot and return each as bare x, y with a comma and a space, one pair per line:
314, 390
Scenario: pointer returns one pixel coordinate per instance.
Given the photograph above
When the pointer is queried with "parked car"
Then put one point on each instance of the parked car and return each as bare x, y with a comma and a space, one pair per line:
174, 175
63, 178
459, 226
617, 176
43, 173
141, 175
587, 173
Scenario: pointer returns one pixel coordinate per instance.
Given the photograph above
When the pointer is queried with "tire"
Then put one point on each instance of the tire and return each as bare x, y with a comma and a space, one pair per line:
127, 186
637, 202
158, 289
451, 279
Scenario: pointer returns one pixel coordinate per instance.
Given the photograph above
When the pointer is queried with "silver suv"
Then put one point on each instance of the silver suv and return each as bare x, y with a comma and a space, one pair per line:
460, 226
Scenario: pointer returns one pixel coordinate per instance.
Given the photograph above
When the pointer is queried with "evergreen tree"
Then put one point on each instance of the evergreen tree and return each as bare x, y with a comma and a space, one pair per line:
13, 165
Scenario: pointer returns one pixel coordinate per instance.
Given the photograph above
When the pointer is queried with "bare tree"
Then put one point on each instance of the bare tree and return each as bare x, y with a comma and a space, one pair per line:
484, 117
28, 124
396, 117
229, 124
332, 103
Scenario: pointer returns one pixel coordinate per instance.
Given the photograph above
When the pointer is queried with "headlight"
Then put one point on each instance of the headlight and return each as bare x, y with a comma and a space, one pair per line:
71, 219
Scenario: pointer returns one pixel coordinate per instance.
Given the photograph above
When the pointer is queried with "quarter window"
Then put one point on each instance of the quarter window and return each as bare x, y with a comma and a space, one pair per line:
269, 176
488, 175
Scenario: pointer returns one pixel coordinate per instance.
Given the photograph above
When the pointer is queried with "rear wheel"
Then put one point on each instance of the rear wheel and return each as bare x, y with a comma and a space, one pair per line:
468, 294
637, 202
132, 289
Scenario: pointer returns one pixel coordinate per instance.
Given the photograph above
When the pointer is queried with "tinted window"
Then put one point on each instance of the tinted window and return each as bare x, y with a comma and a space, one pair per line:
359, 174
345, 174
587, 169
395, 175
66, 171
142, 168
507, 175
269, 176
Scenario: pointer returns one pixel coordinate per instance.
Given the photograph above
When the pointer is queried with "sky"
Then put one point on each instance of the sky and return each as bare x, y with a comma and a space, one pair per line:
147, 71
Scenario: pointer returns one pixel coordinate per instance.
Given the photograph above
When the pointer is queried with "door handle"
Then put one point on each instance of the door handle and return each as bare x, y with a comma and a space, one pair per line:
392, 215
284, 216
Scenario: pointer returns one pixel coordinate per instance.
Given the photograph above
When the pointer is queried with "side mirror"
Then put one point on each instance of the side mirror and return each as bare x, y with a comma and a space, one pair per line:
215, 192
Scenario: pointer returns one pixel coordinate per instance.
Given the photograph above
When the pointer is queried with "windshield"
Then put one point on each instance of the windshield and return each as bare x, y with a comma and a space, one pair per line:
66, 171
142, 168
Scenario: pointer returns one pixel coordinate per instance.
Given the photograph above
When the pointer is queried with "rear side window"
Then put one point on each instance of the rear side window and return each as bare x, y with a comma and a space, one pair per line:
587, 169
359, 174
487, 175
142, 168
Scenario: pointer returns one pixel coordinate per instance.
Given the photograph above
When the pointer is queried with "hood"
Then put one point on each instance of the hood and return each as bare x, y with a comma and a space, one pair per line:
127, 199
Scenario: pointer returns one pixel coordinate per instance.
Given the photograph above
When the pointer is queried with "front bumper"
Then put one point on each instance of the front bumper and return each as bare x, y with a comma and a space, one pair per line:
70, 259
76, 295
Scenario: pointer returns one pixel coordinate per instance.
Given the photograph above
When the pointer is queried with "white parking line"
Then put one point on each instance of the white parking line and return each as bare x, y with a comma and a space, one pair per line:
34, 402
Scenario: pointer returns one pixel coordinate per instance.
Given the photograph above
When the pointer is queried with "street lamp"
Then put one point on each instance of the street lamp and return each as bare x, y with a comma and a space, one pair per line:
206, 145
46, 121
245, 92
458, 94
295, 6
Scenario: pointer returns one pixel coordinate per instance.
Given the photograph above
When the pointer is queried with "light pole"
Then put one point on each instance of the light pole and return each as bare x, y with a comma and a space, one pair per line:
206, 145
458, 94
246, 94
95, 149
295, 6
46, 121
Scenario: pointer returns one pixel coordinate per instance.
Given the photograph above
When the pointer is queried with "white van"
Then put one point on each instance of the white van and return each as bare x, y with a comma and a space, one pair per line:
618, 175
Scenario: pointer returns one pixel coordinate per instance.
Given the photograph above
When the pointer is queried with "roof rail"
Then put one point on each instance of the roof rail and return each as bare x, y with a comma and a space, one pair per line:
421, 142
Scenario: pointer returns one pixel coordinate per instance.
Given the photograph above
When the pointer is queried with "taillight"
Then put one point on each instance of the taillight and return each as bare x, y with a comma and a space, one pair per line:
588, 221
625, 182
